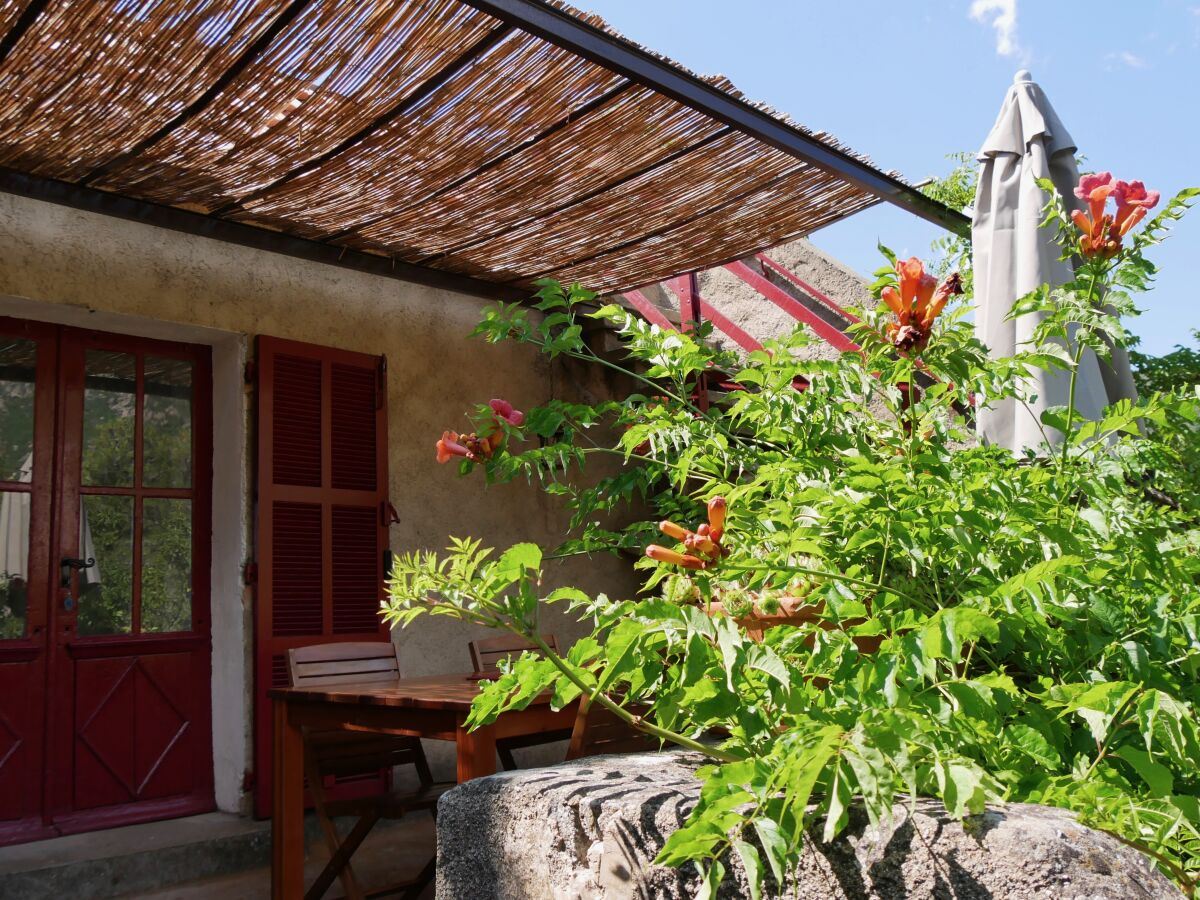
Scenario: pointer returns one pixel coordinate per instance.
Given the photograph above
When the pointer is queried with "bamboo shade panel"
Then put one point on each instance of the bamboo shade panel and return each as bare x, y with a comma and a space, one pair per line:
514, 92
90, 79
421, 130
334, 70
9, 12
631, 128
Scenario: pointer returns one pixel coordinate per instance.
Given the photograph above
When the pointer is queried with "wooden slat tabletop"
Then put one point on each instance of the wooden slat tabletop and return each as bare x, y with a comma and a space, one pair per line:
444, 692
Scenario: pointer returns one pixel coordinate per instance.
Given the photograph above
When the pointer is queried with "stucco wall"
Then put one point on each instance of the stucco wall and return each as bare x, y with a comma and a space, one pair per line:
61, 264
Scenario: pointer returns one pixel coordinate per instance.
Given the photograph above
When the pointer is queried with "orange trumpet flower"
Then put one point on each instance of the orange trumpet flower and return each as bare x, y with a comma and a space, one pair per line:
662, 554
703, 545
716, 517
916, 304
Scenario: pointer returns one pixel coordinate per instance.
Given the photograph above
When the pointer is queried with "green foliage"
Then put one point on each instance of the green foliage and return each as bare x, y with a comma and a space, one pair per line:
1179, 368
984, 627
955, 189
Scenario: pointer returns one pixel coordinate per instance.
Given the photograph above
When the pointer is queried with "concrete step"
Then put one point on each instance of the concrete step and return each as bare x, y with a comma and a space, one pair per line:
134, 858
393, 853
210, 855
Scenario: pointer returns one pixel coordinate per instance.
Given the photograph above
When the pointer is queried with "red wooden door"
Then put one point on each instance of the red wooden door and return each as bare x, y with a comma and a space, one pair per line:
118, 570
321, 512
28, 354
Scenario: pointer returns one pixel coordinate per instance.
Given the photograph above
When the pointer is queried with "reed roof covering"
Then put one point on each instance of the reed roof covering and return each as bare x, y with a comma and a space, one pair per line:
427, 131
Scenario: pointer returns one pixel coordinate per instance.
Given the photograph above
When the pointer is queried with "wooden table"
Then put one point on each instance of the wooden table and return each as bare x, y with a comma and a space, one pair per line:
432, 707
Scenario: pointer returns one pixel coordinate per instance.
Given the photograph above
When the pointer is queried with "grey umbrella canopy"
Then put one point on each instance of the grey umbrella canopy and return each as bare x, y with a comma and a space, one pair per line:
1013, 256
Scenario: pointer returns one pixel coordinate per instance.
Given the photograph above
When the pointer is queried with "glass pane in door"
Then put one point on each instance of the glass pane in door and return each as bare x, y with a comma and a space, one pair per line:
167, 423
166, 564
18, 368
14, 563
109, 418
106, 588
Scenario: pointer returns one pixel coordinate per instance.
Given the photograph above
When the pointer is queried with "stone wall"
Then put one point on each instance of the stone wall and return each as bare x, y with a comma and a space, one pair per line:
590, 829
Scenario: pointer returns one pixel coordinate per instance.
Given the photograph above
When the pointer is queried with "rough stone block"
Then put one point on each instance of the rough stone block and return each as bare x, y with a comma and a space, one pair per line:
591, 829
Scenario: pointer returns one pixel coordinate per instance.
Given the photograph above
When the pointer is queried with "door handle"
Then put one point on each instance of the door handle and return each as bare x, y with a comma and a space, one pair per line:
68, 563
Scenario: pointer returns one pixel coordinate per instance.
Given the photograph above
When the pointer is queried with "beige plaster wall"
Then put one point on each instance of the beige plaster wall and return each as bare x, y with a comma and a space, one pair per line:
62, 264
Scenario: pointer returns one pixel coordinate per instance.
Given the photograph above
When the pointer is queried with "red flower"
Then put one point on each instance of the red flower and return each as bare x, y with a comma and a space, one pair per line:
449, 447
504, 410
1101, 233
1133, 201
1088, 183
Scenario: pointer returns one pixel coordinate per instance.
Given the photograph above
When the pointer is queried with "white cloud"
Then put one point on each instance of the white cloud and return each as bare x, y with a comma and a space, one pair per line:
1003, 16
1130, 59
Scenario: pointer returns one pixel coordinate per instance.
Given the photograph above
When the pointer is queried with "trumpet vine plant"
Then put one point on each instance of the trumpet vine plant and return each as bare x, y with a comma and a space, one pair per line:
1036, 616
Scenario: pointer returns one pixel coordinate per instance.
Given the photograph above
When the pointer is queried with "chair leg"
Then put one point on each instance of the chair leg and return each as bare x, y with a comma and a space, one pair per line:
506, 759
340, 861
333, 840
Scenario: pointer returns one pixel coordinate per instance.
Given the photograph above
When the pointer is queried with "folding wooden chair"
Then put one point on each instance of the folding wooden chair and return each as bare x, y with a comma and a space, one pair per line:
344, 753
600, 732
485, 659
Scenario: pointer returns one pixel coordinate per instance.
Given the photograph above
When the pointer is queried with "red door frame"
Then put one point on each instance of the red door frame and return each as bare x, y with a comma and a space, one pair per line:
270, 649
24, 661
58, 433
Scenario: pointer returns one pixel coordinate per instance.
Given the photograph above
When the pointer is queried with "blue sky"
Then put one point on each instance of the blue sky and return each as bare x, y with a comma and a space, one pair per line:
908, 82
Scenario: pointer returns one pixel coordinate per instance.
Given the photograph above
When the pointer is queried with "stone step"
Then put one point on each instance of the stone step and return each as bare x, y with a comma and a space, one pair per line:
135, 858
393, 853
214, 854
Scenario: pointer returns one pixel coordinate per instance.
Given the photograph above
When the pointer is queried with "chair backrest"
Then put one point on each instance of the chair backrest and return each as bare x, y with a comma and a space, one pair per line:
348, 753
599, 732
487, 652
324, 665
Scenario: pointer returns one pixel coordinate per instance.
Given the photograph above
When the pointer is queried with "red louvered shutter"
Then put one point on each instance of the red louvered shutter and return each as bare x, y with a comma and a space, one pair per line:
321, 533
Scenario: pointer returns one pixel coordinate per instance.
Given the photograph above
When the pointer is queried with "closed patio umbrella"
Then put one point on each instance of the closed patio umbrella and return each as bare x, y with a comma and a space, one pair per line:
1013, 256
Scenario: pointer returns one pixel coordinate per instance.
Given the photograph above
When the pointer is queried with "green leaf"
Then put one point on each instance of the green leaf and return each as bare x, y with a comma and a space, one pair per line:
711, 881
774, 846
753, 866
962, 788
1157, 776
837, 804
947, 630
1031, 742
764, 659
517, 560
620, 653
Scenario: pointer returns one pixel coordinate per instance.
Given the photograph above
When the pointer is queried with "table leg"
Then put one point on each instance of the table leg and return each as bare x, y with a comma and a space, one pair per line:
476, 752
287, 820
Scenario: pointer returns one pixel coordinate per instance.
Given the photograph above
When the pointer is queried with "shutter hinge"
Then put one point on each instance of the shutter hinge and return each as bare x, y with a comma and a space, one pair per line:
251, 371
250, 573
387, 514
